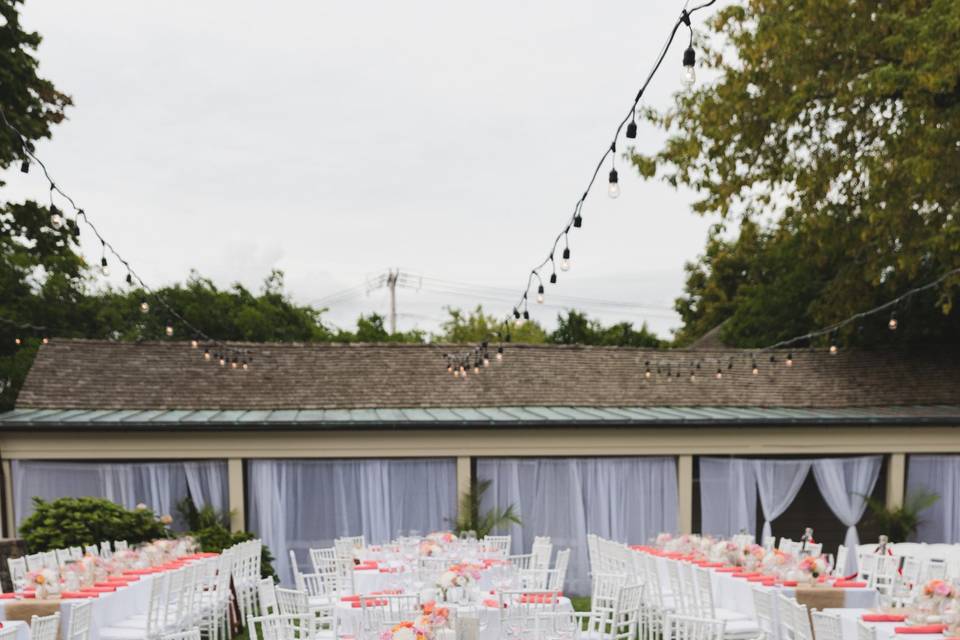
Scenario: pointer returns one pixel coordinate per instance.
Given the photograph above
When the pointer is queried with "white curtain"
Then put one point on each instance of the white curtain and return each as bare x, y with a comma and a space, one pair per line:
778, 482
728, 496
159, 485
623, 499
303, 504
940, 475
844, 482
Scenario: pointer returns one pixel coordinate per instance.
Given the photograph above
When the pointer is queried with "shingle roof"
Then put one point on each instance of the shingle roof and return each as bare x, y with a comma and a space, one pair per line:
88, 374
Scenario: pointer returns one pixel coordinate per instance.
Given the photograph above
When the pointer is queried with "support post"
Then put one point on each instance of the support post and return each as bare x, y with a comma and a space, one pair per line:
685, 493
463, 478
9, 525
236, 494
896, 480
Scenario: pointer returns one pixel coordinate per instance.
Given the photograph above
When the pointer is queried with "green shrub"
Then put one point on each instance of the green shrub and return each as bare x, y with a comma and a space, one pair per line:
210, 530
71, 522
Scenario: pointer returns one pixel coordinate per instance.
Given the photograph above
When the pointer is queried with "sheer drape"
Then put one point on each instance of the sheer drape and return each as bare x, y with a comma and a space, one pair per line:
159, 485
940, 475
299, 504
844, 482
778, 482
728, 496
624, 499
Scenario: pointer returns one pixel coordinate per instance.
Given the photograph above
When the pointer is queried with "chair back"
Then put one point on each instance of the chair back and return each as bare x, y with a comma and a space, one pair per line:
377, 612
865, 632
558, 575
520, 611
80, 616
267, 592
121, 545
541, 551
763, 604
18, 572
691, 628
499, 544
826, 626
840, 561
280, 627
604, 602
189, 634
680, 598
45, 627
36, 562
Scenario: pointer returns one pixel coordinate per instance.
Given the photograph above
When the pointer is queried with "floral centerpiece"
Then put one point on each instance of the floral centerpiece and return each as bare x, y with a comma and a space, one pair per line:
813, 567
405, 630
429, 548
44, 582
458, 576
777, 563
442, 537
753, 556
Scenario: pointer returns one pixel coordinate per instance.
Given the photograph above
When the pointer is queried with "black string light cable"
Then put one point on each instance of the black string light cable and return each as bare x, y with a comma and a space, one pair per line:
212, 349
613, 189
25, 328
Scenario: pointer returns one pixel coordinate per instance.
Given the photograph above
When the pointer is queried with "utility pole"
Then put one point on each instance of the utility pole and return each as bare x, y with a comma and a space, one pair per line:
392, 277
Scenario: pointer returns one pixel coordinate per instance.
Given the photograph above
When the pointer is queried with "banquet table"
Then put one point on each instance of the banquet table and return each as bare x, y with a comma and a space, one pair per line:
347, 617
23, 629
884, 630
107, 609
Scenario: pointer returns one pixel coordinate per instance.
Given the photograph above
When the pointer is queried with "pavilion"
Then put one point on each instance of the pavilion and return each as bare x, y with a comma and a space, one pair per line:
314, 441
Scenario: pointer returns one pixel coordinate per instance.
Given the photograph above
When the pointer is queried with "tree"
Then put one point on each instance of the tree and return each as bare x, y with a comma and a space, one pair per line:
830, 139
576, 328
371, 329
30, 103
476, 327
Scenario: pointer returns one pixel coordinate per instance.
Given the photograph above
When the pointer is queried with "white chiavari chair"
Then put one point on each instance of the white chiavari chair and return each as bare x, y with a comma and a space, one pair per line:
786, 617
885, 573
267, 592
280, 627
36, 561
801, 622
323, 559
18, 572
146, 626
105, 552
80, 616
738, 626
120, 545
690, 628
45, 627
63, 556
542, 551
867, 566
935, 569
603, 602
557, 577
214, 618
592, 551
76, 553
499, 544
826, 626
659, 602
91, 550
377, 612
840, 562
865, 632
681, 599
763, 603
519, 611
9, 632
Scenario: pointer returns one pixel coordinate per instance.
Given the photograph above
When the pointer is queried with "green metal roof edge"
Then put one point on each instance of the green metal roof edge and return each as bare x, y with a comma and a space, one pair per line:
448, 417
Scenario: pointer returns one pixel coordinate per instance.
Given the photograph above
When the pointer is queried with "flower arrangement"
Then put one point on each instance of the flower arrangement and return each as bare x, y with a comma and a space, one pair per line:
45, 582
433, 617
429, 548
939, 589
405, 630
459, 575
663, 539
442, 537
812, 566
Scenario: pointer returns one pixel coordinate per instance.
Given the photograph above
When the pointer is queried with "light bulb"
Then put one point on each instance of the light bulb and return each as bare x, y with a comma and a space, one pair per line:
719, 374
540, 295
689, 75
233, 365
499, 353
17, 341
169, 330
206, 354
789, 360
144, 307
486, 361
223, 361
647, 374
564, 265
194, 344
104, 268
456, 373
476, 367
56, 220
893, 322
45, 340
613, 189
245, 366
833, 349
755, 371
518, 323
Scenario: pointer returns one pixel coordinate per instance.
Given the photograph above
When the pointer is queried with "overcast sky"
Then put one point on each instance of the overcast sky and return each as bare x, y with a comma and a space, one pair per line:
337, 139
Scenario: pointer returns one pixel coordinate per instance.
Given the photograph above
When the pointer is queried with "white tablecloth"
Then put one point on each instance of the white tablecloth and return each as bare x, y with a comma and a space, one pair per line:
884, 630
108, 608
23, 629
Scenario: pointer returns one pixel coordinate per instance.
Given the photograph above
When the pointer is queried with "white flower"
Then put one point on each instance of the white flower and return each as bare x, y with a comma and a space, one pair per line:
448, 579
141, 507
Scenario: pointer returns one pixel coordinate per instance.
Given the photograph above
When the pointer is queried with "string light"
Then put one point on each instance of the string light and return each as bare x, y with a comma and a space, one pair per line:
719, 374
892, 324
565, 260
58, 219
206, 354
789, 360
500, 353
754, 369
169, 329
194, 343
144, 307
540, 294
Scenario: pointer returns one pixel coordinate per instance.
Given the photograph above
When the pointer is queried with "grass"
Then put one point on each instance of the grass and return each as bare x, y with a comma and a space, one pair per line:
580, 603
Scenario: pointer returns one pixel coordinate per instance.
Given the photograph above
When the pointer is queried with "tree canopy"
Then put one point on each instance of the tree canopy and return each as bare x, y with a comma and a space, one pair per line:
828, 147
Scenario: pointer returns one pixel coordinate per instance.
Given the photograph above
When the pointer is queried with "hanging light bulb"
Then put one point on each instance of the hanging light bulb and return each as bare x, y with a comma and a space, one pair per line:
233, 364
45, 340
553, 278
206, 354
577, 220
719, 375
476, 367
56, 220
892, 325
500, 353
693, 376
565, 260
223, 361
789, 360
169, 330
194, 343
17, 341
613, 189
755, 370
833, 349
632, 129
486, 360
104, 267
25, 166
689, 75
647, 374
244, 366
144, 307
540, 294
